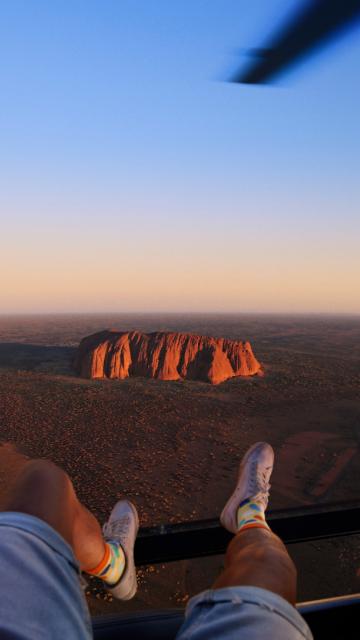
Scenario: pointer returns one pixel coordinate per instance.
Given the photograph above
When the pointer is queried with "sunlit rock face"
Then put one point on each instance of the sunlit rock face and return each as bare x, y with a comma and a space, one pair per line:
166, 356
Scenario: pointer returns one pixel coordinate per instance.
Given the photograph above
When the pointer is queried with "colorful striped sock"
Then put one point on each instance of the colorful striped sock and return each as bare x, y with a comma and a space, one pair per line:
112, 566
251, 515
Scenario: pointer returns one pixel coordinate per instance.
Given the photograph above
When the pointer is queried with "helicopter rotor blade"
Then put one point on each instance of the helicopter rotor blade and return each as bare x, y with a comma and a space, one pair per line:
318, 22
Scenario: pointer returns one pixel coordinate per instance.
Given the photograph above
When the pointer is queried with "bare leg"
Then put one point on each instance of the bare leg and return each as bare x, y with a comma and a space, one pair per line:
46, 491
258, 558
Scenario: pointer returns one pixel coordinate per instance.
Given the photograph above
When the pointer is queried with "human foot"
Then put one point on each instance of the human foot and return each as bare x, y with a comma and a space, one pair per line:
247, 504
120, 533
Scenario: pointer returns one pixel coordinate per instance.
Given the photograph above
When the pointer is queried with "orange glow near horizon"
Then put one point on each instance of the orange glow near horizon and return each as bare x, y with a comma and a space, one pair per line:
203, 272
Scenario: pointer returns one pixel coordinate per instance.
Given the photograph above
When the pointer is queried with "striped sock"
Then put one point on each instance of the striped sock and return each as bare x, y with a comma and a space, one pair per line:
251, 515
112, 566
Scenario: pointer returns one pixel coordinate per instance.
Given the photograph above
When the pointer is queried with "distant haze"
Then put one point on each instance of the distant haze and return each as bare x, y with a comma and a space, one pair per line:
134, 178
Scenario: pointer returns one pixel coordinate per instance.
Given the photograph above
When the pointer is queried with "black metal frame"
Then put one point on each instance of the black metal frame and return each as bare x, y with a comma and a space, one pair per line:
334, 619
330, 619
171, 542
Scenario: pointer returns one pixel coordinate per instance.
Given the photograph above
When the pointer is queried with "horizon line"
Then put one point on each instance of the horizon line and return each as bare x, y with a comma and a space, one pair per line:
181, 312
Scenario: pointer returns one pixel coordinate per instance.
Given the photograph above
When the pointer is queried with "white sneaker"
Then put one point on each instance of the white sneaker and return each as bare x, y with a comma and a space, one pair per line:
253, 482
122, 528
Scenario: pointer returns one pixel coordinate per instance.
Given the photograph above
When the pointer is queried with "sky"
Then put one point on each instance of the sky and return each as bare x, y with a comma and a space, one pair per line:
135, 177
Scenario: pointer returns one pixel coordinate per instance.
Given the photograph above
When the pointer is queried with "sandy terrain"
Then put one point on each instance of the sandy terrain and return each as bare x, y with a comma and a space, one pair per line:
160, 442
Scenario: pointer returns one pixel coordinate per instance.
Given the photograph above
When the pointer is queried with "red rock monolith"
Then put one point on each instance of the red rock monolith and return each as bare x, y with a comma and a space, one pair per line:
166, 356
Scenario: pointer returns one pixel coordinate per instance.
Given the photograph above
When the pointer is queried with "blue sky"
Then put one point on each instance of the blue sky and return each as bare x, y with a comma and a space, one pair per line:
127, 159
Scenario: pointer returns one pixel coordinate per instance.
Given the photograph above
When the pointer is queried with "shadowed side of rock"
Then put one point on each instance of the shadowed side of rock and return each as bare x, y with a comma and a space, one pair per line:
165, 356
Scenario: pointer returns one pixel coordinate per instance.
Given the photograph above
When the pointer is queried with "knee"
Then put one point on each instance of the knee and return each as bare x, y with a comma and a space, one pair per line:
44, 472
45, 491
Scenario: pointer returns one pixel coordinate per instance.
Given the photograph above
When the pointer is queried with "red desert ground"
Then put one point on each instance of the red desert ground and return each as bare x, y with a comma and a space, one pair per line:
173, 446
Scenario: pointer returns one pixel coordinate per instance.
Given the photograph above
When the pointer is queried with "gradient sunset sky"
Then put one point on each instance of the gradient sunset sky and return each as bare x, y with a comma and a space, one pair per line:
135, 178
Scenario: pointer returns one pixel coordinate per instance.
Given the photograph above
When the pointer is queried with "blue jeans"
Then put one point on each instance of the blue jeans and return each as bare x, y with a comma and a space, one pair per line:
242, 613
41, 595
40, 591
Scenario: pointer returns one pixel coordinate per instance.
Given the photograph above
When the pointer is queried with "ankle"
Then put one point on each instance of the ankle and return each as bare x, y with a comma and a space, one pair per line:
112, 566
250, 515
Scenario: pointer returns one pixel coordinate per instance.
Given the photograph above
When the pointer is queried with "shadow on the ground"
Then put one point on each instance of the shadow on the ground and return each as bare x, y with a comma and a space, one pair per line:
37, 357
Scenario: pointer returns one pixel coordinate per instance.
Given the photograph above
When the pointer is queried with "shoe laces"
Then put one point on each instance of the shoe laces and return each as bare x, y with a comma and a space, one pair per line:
118, 528
260, 483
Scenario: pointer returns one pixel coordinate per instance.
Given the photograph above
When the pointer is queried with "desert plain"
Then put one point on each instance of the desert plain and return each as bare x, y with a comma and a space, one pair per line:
173, 447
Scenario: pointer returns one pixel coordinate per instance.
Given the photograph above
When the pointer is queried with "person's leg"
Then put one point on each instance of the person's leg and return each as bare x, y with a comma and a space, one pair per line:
44, 490
255, 557
258, 558
255, 593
